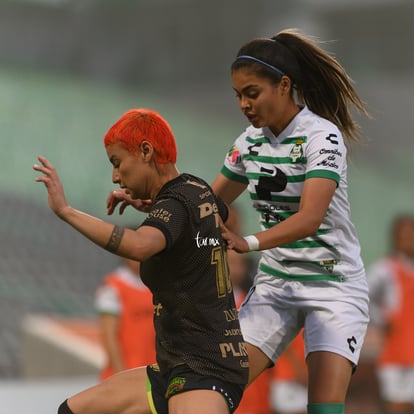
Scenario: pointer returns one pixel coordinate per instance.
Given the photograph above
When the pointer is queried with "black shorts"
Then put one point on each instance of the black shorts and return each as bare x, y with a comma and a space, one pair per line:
182, 378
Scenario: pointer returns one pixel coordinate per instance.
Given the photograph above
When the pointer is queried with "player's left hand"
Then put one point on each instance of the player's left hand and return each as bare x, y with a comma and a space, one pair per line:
56, 196
124, 200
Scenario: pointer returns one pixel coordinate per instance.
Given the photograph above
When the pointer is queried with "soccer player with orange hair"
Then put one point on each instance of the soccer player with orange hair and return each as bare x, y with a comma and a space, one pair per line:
202, 364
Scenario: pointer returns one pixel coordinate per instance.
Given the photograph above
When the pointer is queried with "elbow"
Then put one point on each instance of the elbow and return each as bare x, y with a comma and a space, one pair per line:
312, 226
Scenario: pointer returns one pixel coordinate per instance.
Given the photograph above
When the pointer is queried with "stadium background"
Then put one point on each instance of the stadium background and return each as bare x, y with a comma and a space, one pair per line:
69, 68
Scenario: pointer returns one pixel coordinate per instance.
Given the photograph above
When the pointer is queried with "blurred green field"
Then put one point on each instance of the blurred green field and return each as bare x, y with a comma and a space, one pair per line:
65, 118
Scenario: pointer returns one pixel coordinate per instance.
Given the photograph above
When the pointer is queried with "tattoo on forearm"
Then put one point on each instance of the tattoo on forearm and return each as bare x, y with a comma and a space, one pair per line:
115, 239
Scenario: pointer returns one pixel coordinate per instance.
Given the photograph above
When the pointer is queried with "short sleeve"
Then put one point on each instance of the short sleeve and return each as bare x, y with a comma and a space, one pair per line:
233, 167
169, 216
107, 300
223, 209
326, 155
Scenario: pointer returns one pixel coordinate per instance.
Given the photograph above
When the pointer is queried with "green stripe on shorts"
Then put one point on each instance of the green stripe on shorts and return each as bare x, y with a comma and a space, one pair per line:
301, 278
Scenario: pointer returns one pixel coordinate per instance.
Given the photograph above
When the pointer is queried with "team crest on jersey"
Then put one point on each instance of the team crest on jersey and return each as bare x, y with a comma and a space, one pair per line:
176, 385
296, 153
328, 264
234, 156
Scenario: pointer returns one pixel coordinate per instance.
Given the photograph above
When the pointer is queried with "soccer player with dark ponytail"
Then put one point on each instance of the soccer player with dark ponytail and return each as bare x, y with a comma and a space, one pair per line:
292, 160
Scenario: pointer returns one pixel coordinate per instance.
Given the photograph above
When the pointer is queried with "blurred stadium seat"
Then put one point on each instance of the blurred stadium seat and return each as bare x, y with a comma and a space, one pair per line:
45, 268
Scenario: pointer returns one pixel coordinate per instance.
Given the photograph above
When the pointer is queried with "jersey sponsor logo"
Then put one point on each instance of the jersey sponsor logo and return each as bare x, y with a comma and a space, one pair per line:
268, 215
236, 350
234, 156
157, 309
270, 212
331, 138
271, 207
330, 151
207, 209
351, 342
161, 214
275, 183
231, 315
328, 162
206, 241
205, 194
271, 171
232, 332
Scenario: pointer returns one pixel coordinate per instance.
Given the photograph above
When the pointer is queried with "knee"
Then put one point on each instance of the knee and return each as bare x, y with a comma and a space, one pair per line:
64, 408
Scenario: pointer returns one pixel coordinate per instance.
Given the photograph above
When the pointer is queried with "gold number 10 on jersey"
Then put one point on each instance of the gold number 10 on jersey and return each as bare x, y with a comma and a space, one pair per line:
219, 259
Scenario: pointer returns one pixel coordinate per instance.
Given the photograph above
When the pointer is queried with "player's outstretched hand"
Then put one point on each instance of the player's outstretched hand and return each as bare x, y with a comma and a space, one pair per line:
56, 196
123, 198
234, 242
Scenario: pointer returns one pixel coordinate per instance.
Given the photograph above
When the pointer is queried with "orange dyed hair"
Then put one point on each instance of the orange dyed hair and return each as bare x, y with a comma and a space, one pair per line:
139, 125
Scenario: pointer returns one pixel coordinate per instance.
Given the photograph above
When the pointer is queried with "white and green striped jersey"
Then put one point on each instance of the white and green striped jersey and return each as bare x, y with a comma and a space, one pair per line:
275, 169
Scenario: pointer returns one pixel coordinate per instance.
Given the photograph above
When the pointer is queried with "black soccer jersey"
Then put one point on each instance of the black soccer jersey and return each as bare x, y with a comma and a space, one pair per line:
195, 314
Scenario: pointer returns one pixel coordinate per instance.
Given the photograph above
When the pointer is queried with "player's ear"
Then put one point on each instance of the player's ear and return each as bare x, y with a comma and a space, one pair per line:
285, 84
146, 150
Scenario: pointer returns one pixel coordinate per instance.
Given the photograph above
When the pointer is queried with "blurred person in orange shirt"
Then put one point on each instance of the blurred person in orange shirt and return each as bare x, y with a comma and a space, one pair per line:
283, 388
391, 282
256, 397
125, 309
289, 385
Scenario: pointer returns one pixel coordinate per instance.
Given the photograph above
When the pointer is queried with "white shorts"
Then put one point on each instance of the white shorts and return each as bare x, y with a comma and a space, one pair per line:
288, 397
396, 383
334, 314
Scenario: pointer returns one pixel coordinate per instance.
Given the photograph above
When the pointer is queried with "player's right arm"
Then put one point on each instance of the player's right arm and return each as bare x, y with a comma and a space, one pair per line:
138, 245
228, 190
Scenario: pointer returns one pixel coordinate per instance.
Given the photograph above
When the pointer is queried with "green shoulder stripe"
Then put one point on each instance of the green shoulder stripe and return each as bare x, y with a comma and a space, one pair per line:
295, 140
232, 176
273, 160
290, 178
260, 140
323, 174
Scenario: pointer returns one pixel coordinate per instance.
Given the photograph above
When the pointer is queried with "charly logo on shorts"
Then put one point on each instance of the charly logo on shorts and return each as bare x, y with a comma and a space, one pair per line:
352, 341
175, 386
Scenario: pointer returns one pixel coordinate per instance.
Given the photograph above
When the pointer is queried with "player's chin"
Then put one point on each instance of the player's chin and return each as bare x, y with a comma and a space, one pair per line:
256, 122
136, 195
